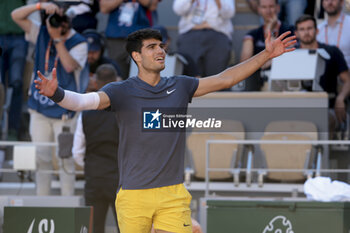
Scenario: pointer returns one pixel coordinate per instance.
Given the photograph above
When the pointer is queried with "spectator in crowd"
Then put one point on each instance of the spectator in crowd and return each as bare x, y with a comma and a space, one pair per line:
96, 45
253, 42
306, 31
202, 22
85, 13
12, 62
95, 148
189, 66
61, 48
334, 30
151, 161
291, 10
253, 5
126, 17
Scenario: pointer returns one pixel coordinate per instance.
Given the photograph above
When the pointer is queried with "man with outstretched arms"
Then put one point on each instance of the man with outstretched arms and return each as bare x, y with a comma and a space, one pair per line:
151, 189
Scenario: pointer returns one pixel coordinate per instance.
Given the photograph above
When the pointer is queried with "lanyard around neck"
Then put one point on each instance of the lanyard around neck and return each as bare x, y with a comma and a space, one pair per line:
47, 58
339, 32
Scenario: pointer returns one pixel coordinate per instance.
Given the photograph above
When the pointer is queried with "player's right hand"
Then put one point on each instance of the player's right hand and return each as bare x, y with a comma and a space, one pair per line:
45, 86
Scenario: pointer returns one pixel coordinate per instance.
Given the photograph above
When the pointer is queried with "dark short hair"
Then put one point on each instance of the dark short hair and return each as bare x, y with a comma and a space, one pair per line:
304, 18
106, 73
135, 39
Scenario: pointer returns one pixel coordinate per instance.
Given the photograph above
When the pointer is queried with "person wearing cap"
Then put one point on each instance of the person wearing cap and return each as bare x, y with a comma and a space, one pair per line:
95, 55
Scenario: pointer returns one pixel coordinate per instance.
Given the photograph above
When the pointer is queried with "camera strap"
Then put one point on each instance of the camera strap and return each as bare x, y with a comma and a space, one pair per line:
47, 58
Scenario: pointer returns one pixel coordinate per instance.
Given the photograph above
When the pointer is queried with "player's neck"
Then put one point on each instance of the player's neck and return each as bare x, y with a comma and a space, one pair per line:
152, 78
332, 19
313, 45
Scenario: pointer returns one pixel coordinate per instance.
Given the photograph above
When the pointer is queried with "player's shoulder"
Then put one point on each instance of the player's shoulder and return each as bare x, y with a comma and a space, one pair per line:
180, 79
116, 85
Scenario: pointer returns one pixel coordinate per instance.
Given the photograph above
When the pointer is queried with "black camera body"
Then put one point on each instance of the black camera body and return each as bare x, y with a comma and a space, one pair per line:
56, 20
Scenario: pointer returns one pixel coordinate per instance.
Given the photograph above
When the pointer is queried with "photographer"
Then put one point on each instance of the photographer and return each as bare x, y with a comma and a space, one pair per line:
57, 46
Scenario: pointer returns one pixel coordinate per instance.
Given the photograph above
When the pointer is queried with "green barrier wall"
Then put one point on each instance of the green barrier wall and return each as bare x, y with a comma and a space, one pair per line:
47, 220
226, 216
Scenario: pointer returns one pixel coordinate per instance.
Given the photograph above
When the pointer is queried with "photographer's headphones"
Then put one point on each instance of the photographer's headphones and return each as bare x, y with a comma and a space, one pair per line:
86, 33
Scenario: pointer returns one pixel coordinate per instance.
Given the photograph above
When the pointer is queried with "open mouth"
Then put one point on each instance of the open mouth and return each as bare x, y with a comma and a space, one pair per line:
160, 59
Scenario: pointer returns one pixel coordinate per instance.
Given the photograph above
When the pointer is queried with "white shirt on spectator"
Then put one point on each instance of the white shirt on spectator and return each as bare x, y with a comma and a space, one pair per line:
218, 19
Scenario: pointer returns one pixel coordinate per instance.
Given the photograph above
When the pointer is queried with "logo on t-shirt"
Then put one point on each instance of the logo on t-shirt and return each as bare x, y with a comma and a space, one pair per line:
152, 119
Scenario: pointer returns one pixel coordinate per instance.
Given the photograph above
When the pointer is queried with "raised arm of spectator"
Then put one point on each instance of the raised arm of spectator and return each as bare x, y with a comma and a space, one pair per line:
106, 6
68, 62
234, 75
69, 99
21, 14
339, 107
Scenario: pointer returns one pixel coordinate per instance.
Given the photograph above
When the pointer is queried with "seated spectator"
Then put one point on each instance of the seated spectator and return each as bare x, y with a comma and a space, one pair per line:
334, 30
306, 30
96, 46
126, 17
254, 41
85, 15
205, 33
190, 68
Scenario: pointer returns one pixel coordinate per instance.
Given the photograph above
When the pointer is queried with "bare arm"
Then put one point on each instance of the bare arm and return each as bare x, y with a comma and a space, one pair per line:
68, 62
21, 14
339, 107
234, 75
71, 100
106, 6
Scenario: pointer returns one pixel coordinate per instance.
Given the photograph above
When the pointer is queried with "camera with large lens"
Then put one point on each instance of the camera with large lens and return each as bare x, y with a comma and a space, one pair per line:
56, 20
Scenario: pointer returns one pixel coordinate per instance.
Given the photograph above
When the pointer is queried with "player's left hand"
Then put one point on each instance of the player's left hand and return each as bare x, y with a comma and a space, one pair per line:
280, 45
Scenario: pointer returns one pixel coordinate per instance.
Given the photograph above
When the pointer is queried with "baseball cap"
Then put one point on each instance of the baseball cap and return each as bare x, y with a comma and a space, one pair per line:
94, 41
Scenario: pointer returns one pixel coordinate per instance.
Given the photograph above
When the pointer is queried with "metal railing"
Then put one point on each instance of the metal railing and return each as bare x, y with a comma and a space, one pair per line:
262, 171
27, 143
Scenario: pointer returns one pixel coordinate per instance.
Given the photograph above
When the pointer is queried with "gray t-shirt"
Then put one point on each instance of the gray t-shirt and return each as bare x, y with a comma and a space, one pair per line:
149, 158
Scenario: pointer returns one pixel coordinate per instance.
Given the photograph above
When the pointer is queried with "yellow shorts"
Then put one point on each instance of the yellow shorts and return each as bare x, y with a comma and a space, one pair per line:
167, 208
